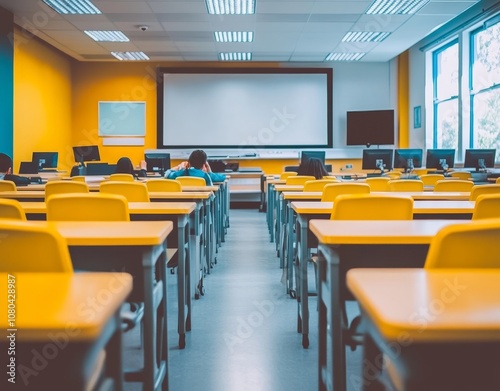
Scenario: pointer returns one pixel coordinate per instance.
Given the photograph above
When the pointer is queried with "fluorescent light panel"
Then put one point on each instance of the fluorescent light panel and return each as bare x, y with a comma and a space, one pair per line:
130, 56
365, 36
107, 36
230, 7
344, 56
233, 36
74, 7
235, 56
391, 7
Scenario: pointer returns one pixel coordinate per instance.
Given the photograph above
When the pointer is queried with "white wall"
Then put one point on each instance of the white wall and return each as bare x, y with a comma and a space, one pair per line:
417, 96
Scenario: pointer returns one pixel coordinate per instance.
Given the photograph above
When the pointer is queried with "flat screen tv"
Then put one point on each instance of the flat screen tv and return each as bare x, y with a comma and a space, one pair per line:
305, 155
480, 159
375, 127
45, 159
157, 162
440, 159
408, 158
377, 159
244, 108
86, 153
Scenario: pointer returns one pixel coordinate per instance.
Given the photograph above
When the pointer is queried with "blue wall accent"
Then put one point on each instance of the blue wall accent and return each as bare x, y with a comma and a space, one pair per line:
6, 82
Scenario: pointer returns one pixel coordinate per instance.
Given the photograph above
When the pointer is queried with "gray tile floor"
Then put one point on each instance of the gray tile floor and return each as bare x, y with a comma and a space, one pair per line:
244, 329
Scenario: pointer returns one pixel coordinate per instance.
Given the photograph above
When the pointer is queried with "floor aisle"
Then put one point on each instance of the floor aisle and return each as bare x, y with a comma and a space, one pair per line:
244, 329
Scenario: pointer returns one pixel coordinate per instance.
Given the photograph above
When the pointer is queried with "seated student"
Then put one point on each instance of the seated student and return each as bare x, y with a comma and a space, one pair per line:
313, 166
197, 165
124, 166
6, 171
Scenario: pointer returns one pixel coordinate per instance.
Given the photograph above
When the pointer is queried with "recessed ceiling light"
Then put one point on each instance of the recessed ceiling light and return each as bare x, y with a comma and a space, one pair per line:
235, 56
107, 36
344, 56
365, 36
230, 7
74, 7
233, 36
131, 56
391, 7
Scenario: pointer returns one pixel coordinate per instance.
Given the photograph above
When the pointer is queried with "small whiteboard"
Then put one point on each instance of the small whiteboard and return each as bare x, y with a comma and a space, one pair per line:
122, 119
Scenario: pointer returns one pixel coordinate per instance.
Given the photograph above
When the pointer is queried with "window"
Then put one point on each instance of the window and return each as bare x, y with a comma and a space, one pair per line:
485, 88
466, 90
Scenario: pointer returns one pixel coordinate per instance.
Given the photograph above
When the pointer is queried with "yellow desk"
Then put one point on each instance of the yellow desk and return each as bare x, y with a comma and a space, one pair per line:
440, 329
351, 244
55, 331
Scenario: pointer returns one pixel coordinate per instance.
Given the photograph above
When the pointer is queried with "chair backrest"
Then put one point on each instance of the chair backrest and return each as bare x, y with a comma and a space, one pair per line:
431, 179
163, 185
7, 186
498, 181
378, 183
470, 245
333, 190
11, 210
299, 179
191, 181
121, 177
406, 185
133, 191
65, 187
483, 189
372, 207
461, 174
487, 206
420, 171
87, 207
286, 174
26, 247
318, 184
78, 178
453, 185
394, 174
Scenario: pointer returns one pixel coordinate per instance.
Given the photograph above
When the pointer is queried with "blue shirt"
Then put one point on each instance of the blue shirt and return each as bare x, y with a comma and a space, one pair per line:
210, 177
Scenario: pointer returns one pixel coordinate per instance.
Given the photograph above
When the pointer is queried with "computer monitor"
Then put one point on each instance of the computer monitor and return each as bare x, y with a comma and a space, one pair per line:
86, 153
305, 155
377, 159
440, 159
157, 162
45, 159
480, 159
28, 168
408, 158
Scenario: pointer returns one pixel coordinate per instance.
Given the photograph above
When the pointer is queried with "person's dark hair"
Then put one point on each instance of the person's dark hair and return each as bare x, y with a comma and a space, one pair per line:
197, 159
312, 166
5, 162
124, 166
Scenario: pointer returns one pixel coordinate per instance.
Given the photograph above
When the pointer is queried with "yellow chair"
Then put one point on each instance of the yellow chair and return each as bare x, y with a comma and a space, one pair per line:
318, 184
121, 177
286, 174
65, 187
50, 251
372, 207
394, 174
11, 210
483, 189
7, 186
498, 181
163, 185
331, 191
87, 207
378, 183
78, 178
299, 179
470, 245
487, 206
431, 179
464, 175
420, 171
453, 185
133, 191
406, 185
191, 181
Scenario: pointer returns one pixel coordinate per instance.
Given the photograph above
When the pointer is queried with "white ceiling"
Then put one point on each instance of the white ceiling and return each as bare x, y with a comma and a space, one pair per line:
285, 31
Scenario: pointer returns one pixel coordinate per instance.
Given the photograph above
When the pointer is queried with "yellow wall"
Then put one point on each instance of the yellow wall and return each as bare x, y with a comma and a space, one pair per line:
42, 99
403, 99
